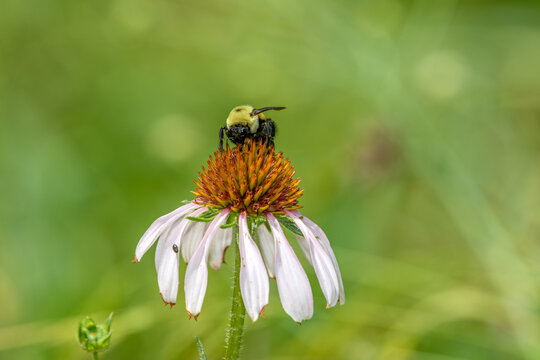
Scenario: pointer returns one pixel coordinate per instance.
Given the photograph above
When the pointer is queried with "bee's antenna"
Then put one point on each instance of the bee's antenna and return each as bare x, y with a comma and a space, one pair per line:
258, 111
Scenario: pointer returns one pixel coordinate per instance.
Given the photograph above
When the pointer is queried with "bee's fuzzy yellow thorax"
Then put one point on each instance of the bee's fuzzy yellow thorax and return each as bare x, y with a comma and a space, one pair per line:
241, 115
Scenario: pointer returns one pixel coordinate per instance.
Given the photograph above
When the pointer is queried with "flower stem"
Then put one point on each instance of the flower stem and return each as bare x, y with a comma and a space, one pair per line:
95, 355
235, 330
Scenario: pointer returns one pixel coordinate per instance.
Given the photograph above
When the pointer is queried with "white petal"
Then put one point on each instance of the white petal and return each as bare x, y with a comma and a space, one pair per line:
158, 226
321, 263
253, 278
167, 258
292, 281
174, 233
192, 238
167, 267
221, 242
197, 271
304, 245
268, 248
323, 240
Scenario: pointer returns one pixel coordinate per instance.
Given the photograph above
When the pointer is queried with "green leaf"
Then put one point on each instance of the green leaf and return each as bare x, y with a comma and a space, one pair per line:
288, 223
226, 226
107, 323
254, 222
259, 220
202, 352
206, 216
209, 214
232, 220
199, 219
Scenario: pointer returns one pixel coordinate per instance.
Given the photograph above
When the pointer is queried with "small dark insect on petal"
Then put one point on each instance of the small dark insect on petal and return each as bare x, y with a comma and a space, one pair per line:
175, 248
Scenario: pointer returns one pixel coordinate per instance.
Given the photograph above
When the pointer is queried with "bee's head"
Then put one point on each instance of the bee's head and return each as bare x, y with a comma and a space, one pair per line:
241, 115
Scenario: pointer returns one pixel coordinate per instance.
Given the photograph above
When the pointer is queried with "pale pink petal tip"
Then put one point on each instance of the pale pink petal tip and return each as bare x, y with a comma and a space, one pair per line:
195, 317
165, 302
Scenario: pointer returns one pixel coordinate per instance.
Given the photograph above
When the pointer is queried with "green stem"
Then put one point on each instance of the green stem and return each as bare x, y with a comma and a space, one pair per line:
235, 330
95, 355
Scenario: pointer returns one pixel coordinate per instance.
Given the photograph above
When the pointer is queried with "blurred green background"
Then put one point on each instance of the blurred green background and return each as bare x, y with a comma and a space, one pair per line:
414, 126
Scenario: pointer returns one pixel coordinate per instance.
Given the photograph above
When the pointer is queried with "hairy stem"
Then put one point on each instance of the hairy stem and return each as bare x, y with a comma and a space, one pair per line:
235, 330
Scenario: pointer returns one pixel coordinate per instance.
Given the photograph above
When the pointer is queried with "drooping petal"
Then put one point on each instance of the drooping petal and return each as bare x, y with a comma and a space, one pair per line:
197, 270
192, 238
323, 240
253, 277
158, 226
304, 245
321, 263
292, 281
167, 258
167, 267
177, 232
221, 242
268, 248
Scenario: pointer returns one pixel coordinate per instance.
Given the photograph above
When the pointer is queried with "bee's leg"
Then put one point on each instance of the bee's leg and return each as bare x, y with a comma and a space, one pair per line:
269, 131
221, 133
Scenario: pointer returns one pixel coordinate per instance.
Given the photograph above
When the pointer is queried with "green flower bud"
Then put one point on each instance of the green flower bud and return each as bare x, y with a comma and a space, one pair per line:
93, 337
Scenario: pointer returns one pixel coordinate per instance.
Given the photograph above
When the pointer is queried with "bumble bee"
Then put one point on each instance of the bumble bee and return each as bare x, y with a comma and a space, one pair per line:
246, 122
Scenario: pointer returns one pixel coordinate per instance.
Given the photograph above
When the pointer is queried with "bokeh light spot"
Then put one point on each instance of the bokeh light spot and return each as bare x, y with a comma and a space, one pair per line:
441, 74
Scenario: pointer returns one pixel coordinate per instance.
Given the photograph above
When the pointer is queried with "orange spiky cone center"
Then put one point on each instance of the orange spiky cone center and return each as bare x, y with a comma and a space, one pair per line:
249, 177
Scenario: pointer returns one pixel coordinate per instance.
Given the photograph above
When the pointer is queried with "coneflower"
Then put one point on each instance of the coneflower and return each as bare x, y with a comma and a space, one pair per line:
246, 194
